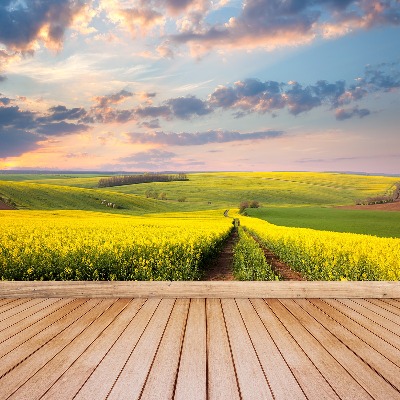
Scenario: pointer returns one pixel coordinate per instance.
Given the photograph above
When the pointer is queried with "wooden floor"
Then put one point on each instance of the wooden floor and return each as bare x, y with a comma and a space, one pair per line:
199, 348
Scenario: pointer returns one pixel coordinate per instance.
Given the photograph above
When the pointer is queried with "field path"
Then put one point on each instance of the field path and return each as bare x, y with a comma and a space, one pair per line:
220, 268
279, 267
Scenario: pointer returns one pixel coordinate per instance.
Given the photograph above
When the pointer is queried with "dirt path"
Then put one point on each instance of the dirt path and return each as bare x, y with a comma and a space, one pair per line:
220, 268
280, 268
4, 206
395, 206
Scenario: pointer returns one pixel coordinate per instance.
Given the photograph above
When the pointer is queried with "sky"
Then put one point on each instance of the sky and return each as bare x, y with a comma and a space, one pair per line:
200, 85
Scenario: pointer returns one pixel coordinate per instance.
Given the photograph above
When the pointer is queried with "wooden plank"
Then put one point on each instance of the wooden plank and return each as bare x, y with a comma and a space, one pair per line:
20, 347
19, 308
4, 302
384, 359
19, 335
335, 375
52, 306
366, 319
252, 381
162, 377
192, 374
310, 379
133, 376
393, 302
378, 309
352, 353
42, 380
74, 378
368, 327
221, 377
11, 303
28, 368
101, 381
393, 310
275, 289
282, 382
374, 314
35, 306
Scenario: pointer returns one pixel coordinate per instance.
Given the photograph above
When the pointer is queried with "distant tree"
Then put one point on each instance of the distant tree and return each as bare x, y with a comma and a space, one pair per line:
254, 204
248, 204
243, 205
140, 178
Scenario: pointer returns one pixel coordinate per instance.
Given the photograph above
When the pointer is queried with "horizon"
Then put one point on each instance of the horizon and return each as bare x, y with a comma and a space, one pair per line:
200, 85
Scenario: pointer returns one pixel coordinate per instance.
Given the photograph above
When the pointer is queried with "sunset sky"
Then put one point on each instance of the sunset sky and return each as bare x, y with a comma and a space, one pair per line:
199, 85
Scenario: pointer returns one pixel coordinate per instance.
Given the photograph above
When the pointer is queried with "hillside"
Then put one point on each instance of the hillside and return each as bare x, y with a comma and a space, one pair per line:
34, 196
298, 199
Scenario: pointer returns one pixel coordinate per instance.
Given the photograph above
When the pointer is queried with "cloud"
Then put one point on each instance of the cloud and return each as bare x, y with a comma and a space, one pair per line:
140, 18
4, 101
61, 128
15, 141
341, 114
272, 23
14, 117
111, 99
153, 112
61, 113
186, 107
153, 124
385, 76
200, 138
254, 96
23, 24
21, 131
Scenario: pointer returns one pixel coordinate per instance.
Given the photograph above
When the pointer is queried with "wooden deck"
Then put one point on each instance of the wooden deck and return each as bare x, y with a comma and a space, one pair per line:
83, 346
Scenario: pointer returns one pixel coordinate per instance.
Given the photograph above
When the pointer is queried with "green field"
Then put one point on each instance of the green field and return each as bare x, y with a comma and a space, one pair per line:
298, 199
378, 223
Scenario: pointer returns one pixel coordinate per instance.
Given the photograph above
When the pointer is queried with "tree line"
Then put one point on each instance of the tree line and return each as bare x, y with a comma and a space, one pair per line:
140, 178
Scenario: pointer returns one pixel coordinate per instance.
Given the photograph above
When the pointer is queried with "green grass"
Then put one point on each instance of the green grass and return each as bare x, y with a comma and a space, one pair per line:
378, 223
300, 199
33, 196
229, 189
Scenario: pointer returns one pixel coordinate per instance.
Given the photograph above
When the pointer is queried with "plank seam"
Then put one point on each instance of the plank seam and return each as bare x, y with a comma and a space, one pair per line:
155, 353
279, 350
230, 350
364, 326
298, 344
111, 347
99, 334
255, 351
34, 323
21, 311
131, 352
383, 308
49, 340
356, 354
373, 312
180, 353
28, 316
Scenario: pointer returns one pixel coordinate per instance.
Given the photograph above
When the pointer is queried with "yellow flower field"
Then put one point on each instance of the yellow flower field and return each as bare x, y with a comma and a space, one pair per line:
76, 245
323, 255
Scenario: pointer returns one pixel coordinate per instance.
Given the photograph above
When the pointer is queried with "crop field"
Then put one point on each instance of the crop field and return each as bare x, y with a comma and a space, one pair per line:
91, 246
323, 255
367, 222
64, 228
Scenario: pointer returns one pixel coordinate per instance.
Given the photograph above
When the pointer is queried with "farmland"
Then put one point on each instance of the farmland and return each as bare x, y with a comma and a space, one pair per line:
64, 230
